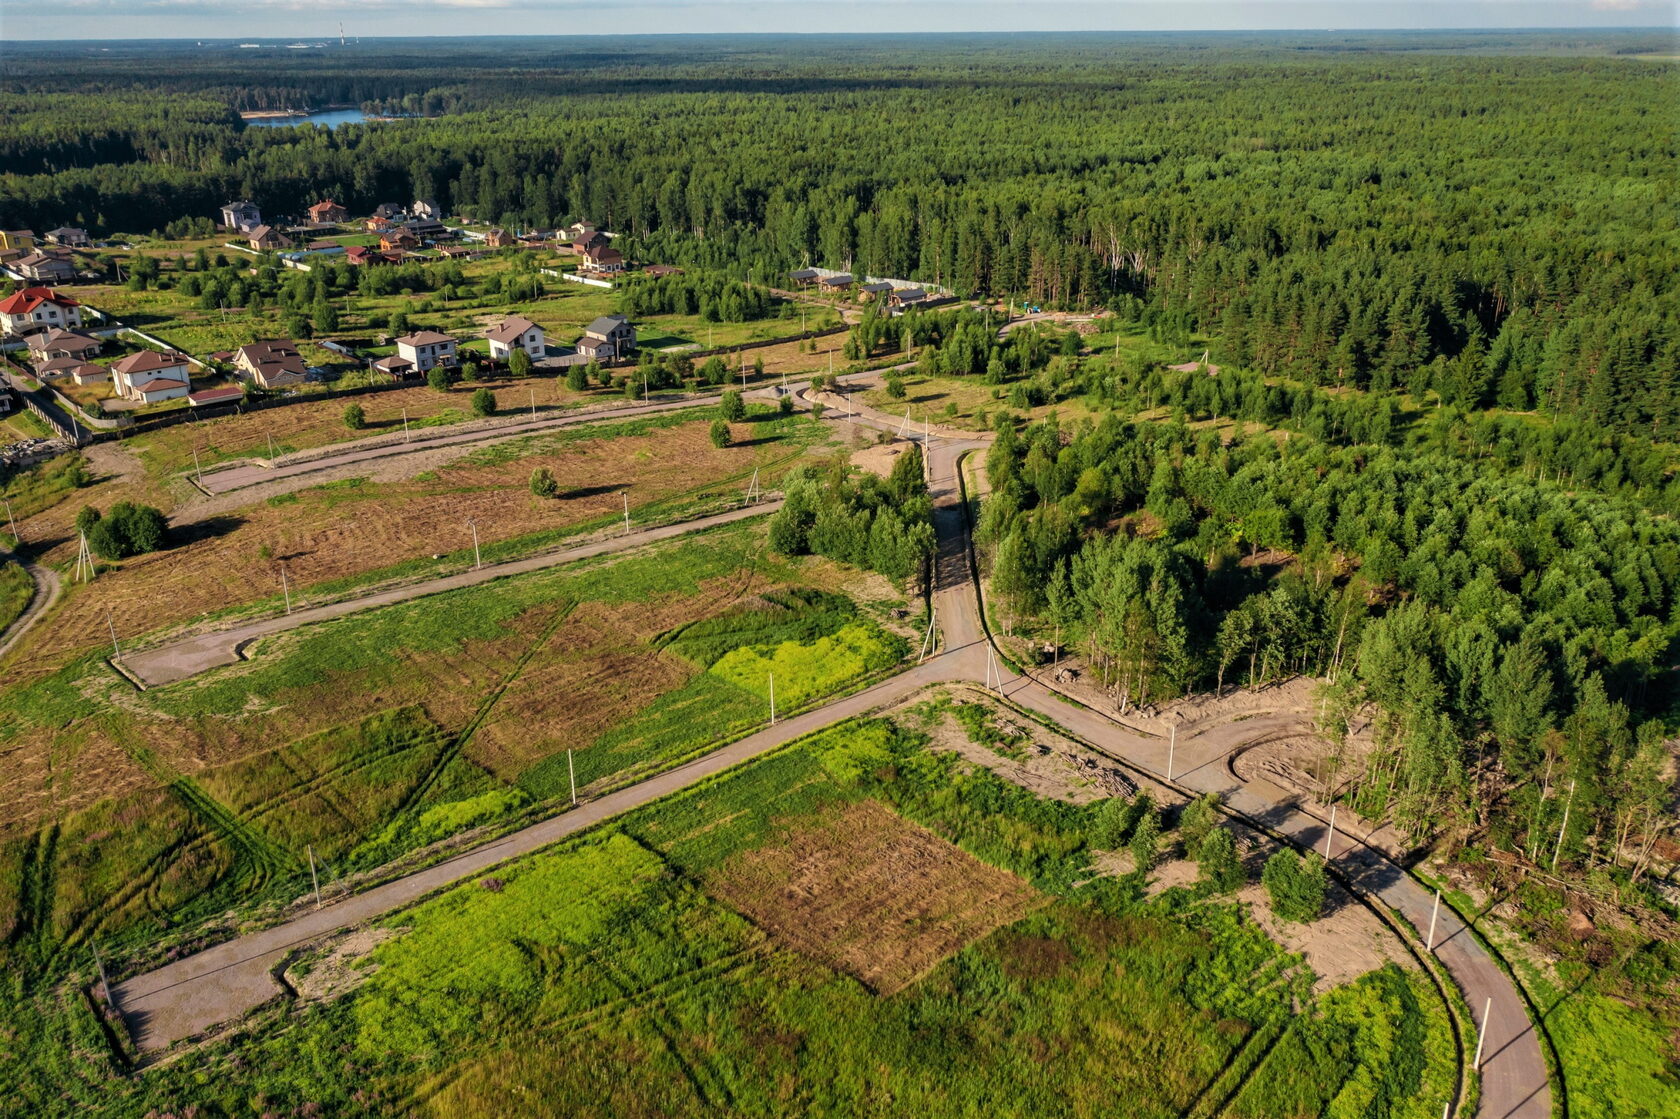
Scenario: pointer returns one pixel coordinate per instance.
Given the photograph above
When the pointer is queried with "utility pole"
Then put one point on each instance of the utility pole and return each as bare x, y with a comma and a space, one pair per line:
993, 671
533, 402
627, 512
571, 771
84, 561
1429, 945
313, 877
104, 980
1330, 836
1172, 748
478, 561
772, 699
197, 471
1481, 1039
927, 640
286, 588
270, 447
16, 539
405, 425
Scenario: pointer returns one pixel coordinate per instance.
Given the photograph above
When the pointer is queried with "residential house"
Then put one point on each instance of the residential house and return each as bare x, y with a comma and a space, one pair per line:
69, 237
149, 376
426, 348
427, 229
426, 208
44, 269
55, 342
38, 308
329, 212
241, 217
376, 224
840, 281
271, 365
517, 333
578, 230
607, 338
17, 239
660, 270
265, 238
500, 239
365, 254
868, 292
907, 297
584, 242
398, 241
390, 211
603, 258
803, 277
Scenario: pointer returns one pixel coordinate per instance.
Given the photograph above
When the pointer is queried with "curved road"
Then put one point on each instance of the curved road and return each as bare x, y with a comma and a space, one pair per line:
195, 993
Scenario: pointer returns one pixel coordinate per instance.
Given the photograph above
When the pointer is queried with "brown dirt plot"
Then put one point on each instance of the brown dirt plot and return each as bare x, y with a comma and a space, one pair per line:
871, 894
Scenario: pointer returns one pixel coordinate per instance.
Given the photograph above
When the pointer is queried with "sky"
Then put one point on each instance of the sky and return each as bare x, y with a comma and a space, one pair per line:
222, 19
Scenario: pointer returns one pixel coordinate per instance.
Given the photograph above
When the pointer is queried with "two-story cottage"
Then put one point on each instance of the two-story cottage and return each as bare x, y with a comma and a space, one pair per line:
17, 239
517, 333
54, 342
241, 217
603, 258
425, 348
426, 208
38, 308
70, 237
271, 365
149, 376
607, 338
265, 238
329, 212
45, 269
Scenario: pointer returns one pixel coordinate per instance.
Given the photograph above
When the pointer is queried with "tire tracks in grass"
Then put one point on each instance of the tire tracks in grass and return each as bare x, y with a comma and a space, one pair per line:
1213, 1101
452, 749
32, 930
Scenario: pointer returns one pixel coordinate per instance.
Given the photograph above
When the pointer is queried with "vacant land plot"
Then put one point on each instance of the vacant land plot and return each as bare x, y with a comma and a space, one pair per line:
606, 960
870, 894
332, 537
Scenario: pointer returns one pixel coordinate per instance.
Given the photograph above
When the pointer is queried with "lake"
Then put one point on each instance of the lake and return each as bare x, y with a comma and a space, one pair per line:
332, 118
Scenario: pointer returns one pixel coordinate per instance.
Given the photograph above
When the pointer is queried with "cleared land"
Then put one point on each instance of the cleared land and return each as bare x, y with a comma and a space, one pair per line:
870, 894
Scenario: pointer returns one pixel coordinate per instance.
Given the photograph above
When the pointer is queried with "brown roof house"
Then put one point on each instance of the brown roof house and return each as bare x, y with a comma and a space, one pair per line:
608, 337
271, 365
603, 258
583, 242
398, 241
517, 333
426, 348
265, 238
149, 376
328, 211
500, 239
61, 343
45, 269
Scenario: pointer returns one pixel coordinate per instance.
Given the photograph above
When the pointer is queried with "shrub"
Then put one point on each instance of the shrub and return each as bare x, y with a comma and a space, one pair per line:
438, 378
733, 408
1295, 885
784, 404
86, 519
720, 434
1216, 855
128, 530
577, 378
543, 483
483, 402
354, 418
817, 410
469, 372
895, 387
519, 364
1146, 837
1197, 820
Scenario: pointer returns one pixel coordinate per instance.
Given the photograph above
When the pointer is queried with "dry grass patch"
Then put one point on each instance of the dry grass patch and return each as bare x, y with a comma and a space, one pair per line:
871, 894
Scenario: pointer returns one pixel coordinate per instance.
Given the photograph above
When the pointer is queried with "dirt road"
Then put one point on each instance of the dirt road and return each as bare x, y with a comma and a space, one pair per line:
188, 656
220, 983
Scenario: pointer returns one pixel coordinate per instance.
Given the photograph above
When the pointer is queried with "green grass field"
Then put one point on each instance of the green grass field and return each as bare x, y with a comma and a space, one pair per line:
622, 958
16, 587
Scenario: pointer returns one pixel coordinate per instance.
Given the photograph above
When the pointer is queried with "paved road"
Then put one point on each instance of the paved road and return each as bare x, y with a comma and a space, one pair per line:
188, 656
193, 994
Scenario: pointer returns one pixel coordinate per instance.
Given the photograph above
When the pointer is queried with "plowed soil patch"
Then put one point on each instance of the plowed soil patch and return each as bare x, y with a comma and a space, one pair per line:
871, 894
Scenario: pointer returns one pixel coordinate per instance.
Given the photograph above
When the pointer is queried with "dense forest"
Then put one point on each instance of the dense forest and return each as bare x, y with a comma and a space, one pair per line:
1491, 227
